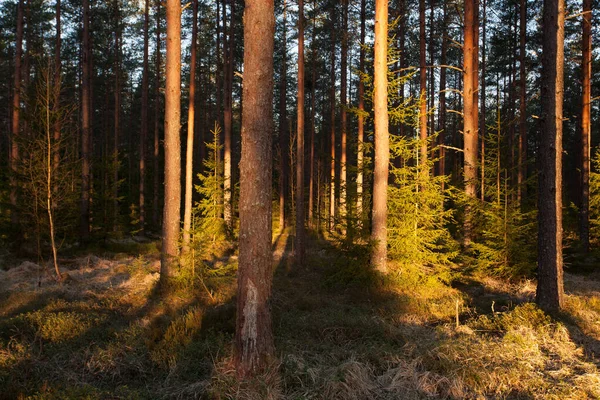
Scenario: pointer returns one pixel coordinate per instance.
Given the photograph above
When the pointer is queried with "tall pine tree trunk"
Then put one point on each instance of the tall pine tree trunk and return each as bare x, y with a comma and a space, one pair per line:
311, 182
156, 150
442, 115
117, 115
332, 128
16, 119
344, 101
57, 78
144, 130
482, 125
586, 123
522, 167
422, 90
550, 291
189, 158
227, 120
382, 146
470, 78
84, 230
253, 346
172, 142
300, 234
361, 117
283, 130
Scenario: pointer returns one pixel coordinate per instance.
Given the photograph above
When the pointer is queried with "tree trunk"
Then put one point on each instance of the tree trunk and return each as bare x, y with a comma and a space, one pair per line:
57, 79
470, 110
550, 291
586, 123
361, 117
144, 130
227, 113
423, 90
254, 347
16, 109
482, 124
522, 167
189, 159
300, 234
311, 182
172, 142
84, 232
332, 127
117, 115
442, 115
157, 98
344, 101
382, 146
283, 130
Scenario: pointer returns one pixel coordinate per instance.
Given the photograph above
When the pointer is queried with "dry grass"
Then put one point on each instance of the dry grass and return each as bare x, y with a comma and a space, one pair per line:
340, 333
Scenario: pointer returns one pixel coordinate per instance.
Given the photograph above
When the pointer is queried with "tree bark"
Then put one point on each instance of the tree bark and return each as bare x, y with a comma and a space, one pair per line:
84, 231
172, 142
157, 99
332, 127
482, 124
57, 79
343, 108
253, 346
300, 234
117, 115
550, 291
442, 115
144, 130
382, 146
283, 130
189, 159
227, 120
311, 182
470, 77
16, 110
361, 110
423, 90
522, 167
586, 122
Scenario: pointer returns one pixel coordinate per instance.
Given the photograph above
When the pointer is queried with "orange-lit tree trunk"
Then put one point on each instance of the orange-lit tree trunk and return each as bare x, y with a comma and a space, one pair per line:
382, 145
470, 110
550, 291
16, 109
300, 234
172, 142
144, 130
344, 101
189, 156
423, 89
361, 117
157, 99
253, 346
482, 125
586, 123
84, 229
227, 120
283, 129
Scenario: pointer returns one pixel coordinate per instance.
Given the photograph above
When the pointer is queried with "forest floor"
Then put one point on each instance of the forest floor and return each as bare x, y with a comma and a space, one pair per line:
340, 332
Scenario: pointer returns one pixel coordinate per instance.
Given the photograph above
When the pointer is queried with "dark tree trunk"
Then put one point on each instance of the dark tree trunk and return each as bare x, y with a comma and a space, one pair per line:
253, 346
522, 167
343, 107
361, 117
84, 231
16, 109
283, 130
